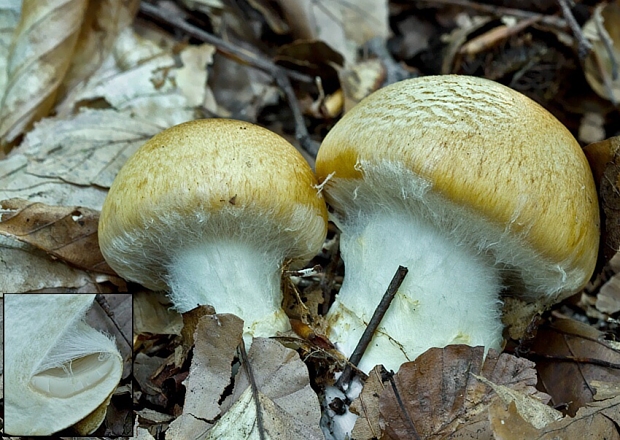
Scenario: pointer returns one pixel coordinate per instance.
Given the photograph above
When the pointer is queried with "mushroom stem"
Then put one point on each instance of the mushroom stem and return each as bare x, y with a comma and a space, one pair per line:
450, 295
234, 277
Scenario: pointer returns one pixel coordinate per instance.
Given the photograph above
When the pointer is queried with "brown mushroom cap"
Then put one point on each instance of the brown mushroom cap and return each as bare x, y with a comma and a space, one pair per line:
207, 180
485, 147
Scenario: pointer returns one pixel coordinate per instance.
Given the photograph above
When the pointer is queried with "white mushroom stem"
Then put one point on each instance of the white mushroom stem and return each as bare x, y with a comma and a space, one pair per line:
450, 295
234, 277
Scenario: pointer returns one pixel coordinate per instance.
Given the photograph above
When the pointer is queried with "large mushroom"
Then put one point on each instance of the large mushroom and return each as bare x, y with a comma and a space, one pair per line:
476, 189
210, 210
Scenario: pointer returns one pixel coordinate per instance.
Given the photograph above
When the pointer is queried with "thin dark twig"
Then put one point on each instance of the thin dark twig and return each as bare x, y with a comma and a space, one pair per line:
584, 45
575, 359
499, 11
414, 431
373, 324
259, 410
103, 303
280, 74
301, 132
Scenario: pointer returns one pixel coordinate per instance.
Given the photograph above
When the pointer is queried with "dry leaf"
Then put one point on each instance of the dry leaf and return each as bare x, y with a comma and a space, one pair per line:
344, 25
141, 79
241, 422
605, 164
441, 397
608, 298
360, 80
603, 31
141, 433
27, 269
10, 11
40, 55
595, 421
237, 91
366, 406
532, 410
216, 339
286, 396
569, 382
103, 21
67, 233
88, 149
153, 314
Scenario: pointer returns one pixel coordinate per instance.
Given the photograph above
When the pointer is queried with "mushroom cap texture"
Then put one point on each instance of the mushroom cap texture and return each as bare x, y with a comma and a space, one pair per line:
209, 180
486, 148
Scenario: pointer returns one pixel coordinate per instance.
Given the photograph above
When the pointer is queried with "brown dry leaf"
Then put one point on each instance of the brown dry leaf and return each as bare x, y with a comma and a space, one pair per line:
366, 406
290, 407
596, 421
25, 268
153, 314
441, 396
603, 31
568, 382
40, 55
344, 25
605, 164
216, 341
68, 233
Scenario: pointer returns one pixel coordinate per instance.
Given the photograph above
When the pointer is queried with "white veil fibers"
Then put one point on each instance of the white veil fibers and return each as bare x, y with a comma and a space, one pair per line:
57, 368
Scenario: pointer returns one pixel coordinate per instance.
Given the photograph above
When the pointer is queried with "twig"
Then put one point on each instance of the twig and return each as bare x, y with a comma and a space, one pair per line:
575, 359
259, 410
499, 11
280, 74
401, 405
105, 306
584, 45
373, 324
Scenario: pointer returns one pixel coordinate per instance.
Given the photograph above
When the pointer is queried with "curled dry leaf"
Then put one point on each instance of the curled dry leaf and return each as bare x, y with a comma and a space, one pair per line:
68, 233
41, 50
578, 355
438, 394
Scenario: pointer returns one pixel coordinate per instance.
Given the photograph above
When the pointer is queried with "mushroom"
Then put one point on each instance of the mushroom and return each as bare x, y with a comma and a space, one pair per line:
210, 210
58, 370
476, 189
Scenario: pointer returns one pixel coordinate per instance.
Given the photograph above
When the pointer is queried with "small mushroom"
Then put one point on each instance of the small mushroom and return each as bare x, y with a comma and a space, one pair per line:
210, 210
58, 370
476, 189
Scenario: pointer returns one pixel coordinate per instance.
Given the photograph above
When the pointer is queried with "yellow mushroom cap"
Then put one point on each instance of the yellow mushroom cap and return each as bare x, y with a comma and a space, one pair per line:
491, 153
206, 180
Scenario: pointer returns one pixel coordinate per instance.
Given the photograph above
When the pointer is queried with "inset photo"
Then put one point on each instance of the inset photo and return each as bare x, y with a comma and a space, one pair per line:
67, 364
